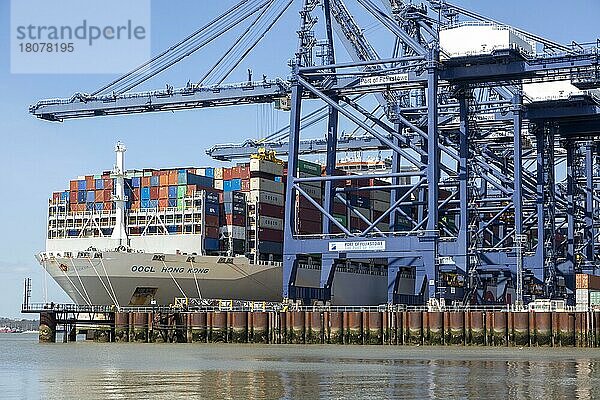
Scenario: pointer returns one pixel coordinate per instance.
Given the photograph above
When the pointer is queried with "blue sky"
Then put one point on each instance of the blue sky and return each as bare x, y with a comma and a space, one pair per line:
39, 157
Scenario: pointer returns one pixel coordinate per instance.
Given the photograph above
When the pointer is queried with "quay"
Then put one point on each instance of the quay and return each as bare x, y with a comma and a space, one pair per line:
383, 325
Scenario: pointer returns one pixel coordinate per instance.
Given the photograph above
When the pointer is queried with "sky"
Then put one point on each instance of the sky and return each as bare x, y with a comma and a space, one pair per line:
39, 157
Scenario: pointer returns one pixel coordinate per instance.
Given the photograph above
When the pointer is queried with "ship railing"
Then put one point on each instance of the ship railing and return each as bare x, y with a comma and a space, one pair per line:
70, 308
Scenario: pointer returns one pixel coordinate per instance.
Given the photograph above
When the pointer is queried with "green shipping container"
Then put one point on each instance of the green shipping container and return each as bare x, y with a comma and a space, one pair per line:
309, 168
594, 298
180, 204
342, 219
181, 192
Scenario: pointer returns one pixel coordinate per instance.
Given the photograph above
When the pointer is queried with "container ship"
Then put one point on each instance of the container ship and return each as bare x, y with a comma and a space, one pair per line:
140, 237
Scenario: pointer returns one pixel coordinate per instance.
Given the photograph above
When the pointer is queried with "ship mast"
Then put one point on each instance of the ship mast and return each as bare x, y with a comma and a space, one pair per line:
119, 198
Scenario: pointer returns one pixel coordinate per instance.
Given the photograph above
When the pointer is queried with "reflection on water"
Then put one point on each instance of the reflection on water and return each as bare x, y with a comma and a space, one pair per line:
169, 371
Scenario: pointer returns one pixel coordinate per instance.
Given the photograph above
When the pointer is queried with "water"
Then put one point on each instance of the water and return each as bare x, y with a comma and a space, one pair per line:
172, 371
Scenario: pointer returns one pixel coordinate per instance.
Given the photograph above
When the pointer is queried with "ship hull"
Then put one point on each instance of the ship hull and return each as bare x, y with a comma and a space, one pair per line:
121, 278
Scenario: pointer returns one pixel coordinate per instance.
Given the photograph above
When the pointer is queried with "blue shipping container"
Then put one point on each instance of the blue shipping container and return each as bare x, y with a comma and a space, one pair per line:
210, 172
64, 196
99, 206
212, 197
90, 196
172, 228
172, 192
211, 244
145, 193
172, 202
153, 204
81, 195
227, 186
277, 179
136, 182
212, 209
145, 203
154, 181
99, 183
236, 184
81, 185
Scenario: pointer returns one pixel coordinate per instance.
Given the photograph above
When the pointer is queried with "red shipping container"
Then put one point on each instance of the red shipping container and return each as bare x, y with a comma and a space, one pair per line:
73, 197
303, 202
309, 227
154, 193
270, 235
108, 183
191, 189
270, 210
245, 185
163, 192
245, 171
90, 183
237, 220
73, 185
172, 177
163, 203
305, 214
339, 208
212, 232
56, 197
227, 173
211, 220
235, 172
146, 181
108, 205
136, 194
99, 196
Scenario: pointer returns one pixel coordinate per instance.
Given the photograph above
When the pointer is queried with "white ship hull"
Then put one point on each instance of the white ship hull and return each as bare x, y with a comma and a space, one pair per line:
123, 278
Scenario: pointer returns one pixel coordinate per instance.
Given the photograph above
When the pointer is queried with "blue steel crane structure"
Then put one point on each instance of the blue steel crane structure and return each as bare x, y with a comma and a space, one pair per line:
482, 202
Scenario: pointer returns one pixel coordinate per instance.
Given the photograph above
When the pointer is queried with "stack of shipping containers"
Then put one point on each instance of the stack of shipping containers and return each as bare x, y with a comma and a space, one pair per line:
238, 210
266, 209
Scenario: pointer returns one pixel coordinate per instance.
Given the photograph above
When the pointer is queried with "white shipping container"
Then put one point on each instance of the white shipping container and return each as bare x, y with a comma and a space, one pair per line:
469, 39
218, 184
267, 167
258, 196
218, 173
315, 193
266, 185
235, 232
270, 223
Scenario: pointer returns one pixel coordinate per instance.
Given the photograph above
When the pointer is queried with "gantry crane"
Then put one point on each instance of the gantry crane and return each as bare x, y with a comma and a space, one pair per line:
485, 206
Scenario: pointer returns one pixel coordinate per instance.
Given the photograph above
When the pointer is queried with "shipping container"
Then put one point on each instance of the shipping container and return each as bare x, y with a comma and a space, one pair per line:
266, 247
234, 208
266, 185
227, 174
145, 193
235, 232
211, 220
257, 196
81, 185
211, 232
218, 173
218, 184
73, 185
586, 281
304, 227
265, 166
211, 209
210, 172
270, 210
154, 192
234, 197
136, 182
269, 222
238, 220
270, 235
309, 167
163, 192
211, 244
